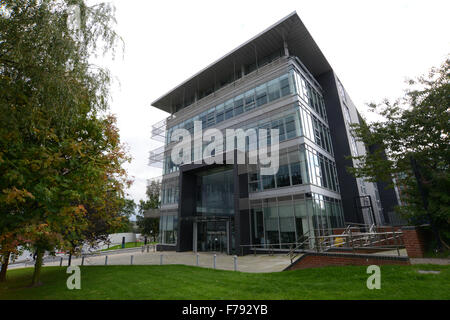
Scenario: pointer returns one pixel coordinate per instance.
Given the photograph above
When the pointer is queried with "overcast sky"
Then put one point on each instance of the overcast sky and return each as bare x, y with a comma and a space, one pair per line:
373, 46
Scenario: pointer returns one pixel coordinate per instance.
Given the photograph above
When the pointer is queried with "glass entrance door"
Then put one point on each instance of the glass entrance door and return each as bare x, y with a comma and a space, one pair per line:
212, 236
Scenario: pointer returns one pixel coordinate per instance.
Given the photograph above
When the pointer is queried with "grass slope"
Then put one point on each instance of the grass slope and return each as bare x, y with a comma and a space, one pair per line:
184, 282
127, 245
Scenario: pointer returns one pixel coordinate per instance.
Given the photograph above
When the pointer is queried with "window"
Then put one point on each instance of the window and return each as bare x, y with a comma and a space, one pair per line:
203, 119
353, 145
273, 89
279, 125
347, 115
290, 127
220, 113
249, 100
210, 119
284, 85
229, 109
271, 221
283, 176
283, 179
287, 222
268, 182
261, 95
238, 105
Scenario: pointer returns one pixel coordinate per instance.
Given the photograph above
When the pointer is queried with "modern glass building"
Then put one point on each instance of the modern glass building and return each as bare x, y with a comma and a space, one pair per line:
277, 80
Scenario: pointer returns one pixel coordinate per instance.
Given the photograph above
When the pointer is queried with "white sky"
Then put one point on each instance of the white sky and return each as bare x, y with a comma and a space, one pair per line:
373, 46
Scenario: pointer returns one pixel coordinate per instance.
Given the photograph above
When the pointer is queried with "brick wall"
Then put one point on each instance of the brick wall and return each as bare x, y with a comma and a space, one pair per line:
414, 241
315, 260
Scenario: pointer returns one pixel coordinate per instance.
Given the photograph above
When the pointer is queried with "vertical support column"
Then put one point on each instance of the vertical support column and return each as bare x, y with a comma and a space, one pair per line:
285, 46
194, 237
227, 223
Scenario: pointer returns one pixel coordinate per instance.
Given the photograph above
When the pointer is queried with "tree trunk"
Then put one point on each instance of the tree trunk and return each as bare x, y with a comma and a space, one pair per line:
37, 268
5, 263
70, 260
424, 194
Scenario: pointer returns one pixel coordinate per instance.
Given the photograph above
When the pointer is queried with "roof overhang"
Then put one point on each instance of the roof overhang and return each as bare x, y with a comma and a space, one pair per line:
299, 41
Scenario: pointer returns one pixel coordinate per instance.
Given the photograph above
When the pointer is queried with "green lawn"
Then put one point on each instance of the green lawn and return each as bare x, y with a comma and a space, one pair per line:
184, 282
127, 245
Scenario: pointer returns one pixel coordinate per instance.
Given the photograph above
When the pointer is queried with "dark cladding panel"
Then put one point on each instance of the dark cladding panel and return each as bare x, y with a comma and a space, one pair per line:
347, 183
186, 209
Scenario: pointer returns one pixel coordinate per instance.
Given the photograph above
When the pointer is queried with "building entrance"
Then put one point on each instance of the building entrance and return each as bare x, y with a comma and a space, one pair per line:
212, 235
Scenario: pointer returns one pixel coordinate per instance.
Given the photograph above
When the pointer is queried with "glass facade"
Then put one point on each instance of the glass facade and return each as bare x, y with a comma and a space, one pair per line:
168, 223
215, 192
297, 165
283, 221
274, 220
245, 102
308, 118
170, 191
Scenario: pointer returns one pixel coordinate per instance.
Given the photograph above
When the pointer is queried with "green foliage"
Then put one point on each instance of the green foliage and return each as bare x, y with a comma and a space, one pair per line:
417, 126
61, 175
153, 192
149, 225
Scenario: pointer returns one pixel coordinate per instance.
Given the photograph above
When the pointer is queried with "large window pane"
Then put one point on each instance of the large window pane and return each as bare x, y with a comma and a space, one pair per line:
273, 89
290, 127
287, 223
210, 118
283, 176
229, 109
249, 100
220, 113
268, 182
283, 170
261, 95
284, 85
271, 222
238, 105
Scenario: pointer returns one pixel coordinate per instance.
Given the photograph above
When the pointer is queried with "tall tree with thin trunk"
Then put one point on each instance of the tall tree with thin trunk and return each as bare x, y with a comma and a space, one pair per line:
60, 152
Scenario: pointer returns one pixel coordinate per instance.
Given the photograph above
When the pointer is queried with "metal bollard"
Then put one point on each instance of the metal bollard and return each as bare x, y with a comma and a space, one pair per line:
148, 248
131, 259
197, 259
161, 259
154, 248
214, 261
106, 260
235, 263
82, 260
60, 262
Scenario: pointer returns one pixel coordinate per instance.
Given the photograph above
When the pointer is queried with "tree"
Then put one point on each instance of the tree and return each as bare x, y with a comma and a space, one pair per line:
101, 225
60, 152
153, 192
149, 225
414, 133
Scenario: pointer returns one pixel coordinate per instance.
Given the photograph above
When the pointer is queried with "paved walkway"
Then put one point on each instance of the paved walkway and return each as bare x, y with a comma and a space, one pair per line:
248, 263
429, 261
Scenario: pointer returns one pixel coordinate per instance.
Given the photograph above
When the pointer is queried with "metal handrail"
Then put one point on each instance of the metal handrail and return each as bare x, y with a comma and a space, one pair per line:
291, 253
